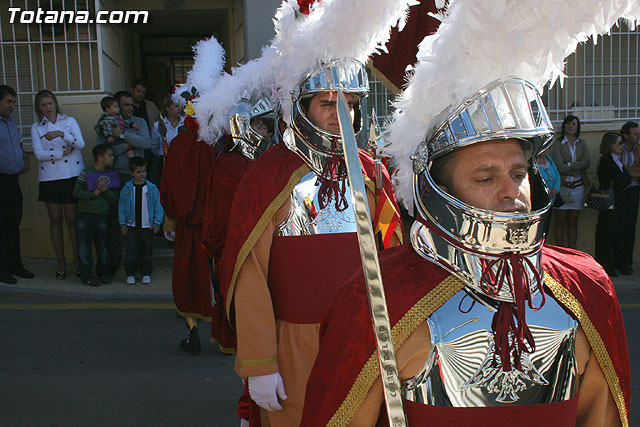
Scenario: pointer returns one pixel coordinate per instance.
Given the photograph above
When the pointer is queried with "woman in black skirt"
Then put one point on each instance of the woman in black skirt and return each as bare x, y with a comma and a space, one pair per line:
611, 173
57, 141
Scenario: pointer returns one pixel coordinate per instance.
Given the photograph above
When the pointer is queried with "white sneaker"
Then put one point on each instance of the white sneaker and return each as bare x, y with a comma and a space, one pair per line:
146, 280
131, 280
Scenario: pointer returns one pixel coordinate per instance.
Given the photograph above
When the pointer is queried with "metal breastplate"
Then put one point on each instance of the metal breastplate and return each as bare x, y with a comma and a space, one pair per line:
305, 216
466, 265
459, 371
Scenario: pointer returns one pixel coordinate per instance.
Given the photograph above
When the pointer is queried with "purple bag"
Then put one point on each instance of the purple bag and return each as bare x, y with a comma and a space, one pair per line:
111, 178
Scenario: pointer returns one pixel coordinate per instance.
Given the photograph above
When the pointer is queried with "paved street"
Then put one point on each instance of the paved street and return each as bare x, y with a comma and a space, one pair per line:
108, 359
79, 356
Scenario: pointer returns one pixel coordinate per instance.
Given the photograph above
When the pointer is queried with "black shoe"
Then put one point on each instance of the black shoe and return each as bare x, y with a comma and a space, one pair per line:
611, 272
8, 279
191, 344
626, 270
23, 272
92, 282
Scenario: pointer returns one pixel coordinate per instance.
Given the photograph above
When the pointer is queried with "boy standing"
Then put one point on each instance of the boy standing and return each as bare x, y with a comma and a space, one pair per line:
92, 218
140, 215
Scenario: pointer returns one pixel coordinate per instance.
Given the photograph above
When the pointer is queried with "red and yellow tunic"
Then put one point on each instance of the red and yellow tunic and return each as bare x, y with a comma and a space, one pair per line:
266, 280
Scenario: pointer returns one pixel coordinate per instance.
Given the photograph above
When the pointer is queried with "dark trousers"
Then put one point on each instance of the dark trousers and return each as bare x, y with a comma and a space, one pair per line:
139, 251
114, 237
90, 228
608, 238
627, 205
154, 168
10, 217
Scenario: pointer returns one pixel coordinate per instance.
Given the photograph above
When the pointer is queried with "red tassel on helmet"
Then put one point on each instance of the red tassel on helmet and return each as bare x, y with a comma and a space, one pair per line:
305, 6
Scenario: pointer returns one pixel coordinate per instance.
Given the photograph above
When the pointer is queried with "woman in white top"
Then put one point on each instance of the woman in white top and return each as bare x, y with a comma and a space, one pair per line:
57, 141
571, 156
173, 121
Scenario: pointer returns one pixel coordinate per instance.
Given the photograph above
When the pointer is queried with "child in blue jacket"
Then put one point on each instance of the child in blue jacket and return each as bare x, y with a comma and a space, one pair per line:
140, 217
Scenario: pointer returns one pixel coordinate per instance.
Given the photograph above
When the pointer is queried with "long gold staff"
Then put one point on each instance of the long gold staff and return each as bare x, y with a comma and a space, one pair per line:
372, 274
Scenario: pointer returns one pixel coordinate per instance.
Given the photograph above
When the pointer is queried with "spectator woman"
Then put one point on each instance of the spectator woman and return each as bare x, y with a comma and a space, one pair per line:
571, 156
169, 127
57, 141
611, 173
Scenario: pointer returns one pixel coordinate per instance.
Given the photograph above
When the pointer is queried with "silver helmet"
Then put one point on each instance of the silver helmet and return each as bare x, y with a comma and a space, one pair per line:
246, 137
463, 238
313, 144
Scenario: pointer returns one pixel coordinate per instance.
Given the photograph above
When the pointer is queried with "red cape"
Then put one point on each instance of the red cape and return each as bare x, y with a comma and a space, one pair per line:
336, 390
265, 187
223, 183
183, 188
185, 177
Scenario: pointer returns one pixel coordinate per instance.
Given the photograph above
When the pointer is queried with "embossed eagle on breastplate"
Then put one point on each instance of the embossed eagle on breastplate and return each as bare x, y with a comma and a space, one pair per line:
506, 384
331, 220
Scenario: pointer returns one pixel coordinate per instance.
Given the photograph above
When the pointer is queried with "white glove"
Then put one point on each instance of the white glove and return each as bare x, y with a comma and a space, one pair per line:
265, 390
170, 236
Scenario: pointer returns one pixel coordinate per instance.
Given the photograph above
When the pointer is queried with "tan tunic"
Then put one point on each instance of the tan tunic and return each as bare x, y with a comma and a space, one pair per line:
267, 345
596, 406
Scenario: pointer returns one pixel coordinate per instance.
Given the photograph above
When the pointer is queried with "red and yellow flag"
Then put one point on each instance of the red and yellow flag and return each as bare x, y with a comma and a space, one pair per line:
386, 218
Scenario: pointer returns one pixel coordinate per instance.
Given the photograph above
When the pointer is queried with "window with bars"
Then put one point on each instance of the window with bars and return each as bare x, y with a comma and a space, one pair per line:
179, 69
60, 57
380, 99
602, 83
602, 80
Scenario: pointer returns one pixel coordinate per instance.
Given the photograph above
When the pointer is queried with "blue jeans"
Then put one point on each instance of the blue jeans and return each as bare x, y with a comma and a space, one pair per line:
139, 251
90, 227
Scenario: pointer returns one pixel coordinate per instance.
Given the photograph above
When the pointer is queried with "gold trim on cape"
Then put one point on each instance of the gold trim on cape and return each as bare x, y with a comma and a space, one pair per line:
264, 418
252, 363
597, 344
197, 316
257, 231
400, 332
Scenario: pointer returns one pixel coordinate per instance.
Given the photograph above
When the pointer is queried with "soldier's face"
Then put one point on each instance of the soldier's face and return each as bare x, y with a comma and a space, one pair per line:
492, 175
323, 113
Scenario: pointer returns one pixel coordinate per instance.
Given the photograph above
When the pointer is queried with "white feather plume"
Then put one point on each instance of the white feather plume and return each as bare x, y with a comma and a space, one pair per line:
208, 64
215, 107
480, 41
339, 29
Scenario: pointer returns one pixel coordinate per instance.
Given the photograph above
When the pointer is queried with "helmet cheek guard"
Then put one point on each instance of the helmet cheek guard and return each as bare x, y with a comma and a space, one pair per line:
250, 142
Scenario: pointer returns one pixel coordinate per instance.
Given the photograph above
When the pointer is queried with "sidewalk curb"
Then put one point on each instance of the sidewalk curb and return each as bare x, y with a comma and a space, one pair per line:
82, 294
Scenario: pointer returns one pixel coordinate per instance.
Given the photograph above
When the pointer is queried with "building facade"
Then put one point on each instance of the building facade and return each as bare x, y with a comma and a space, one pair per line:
82, 62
